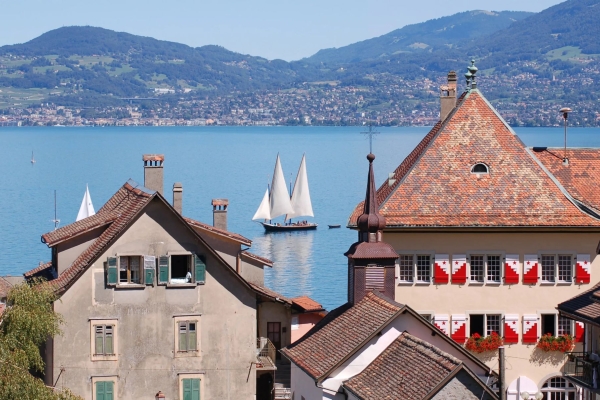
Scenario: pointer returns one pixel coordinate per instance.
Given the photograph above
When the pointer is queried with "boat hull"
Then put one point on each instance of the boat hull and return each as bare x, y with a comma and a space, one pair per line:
288, 228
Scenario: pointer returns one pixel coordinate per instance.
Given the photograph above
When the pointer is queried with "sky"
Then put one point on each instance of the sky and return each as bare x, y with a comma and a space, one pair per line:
284, 29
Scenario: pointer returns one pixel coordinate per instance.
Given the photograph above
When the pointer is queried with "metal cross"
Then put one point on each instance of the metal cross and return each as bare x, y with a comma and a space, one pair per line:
371, 132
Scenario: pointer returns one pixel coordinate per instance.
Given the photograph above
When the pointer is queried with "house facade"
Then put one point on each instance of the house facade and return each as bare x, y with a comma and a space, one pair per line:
491, 235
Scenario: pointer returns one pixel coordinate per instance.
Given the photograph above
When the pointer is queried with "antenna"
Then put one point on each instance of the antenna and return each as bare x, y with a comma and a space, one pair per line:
370, 133
55, 220
565, 112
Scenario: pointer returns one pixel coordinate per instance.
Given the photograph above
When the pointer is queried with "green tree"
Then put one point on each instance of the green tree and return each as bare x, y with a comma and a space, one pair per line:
25, 324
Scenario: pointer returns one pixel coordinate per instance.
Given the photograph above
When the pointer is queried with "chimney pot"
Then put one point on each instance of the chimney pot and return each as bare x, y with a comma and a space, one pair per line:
178, 197
153, 171
220, 213
448, 96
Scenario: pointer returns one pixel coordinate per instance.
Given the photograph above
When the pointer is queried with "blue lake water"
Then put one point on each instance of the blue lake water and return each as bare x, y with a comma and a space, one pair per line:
212, 162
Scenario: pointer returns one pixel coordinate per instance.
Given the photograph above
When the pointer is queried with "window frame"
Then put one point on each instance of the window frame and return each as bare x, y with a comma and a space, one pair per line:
94, 322
556, 267
557, 318
177, 320
485, 273
190, 257
190, 375
108, 378
485, 321
415, 260
129, 281
566, 390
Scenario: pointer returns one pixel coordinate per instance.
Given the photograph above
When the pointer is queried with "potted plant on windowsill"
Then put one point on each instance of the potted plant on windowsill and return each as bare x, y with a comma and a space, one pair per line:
562, 343
478, 344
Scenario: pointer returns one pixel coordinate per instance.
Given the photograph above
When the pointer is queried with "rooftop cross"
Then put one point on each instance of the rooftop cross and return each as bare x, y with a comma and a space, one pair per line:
370, 133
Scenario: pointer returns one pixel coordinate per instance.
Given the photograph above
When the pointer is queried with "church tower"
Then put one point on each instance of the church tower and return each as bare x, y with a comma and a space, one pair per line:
371, 261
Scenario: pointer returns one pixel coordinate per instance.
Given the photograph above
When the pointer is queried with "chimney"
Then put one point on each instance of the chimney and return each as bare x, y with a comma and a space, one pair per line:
220, 213
178, 197
448, 96
153, 171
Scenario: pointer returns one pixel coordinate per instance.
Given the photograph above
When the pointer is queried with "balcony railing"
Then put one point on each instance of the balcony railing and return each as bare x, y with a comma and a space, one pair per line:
582, 370
265, 354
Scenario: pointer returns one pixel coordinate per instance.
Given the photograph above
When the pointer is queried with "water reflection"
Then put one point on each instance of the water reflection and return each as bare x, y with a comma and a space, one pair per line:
293, 261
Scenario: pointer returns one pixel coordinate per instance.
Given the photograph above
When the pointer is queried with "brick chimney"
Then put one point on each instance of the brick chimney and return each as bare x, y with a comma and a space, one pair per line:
153, 171
178, 197
448, 96
220, 213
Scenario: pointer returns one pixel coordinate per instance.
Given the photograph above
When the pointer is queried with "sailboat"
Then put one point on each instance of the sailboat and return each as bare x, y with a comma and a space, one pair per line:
277, 202
87, 208
32, 159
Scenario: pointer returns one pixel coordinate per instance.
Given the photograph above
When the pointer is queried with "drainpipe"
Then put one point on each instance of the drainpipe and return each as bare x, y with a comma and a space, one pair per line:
238, 260
501, 383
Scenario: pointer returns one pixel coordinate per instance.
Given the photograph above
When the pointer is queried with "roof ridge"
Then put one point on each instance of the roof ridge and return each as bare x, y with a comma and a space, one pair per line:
405, 336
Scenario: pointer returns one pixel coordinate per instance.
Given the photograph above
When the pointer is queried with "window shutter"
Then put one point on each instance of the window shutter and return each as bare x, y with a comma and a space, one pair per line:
187, 389
582, 268
511, 331
459, 269
99, 339
530, 328
199, 269
108, 389
163, 269
530, 269
195, 389
100, 392
579, 331
441, 269
441, 322
108, 340
183, 336
459, 328
192, 326
112, 274
511, 269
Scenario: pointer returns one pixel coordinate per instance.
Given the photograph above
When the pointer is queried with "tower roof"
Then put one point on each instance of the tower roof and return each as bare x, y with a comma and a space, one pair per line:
371, 220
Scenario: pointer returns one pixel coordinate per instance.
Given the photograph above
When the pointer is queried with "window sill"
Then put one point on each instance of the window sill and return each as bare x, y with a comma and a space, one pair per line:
405, 283
101, 357
476, 283
559, 283
493, 283
181, 285
421, 283
130, 286
542, 283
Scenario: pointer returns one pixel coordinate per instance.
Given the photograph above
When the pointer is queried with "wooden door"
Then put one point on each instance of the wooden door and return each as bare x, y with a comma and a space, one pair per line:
274, 335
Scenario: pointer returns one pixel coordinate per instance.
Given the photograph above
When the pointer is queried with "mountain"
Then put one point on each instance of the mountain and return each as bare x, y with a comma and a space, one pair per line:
436, 34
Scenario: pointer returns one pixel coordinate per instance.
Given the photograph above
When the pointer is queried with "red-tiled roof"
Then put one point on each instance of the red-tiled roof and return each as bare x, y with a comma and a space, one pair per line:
40, 269
580, 177
263, 291
221, 232
253, 256
340, 333
307, 304
407, 369
435, 187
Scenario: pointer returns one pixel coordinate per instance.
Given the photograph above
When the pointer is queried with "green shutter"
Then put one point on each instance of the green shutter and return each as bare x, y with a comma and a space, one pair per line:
187, 389
195, 389
192, 327
163, 269
108, 389
149, 276
112, 273
200, 269
104, 390
108, 340
183, 336
99, 339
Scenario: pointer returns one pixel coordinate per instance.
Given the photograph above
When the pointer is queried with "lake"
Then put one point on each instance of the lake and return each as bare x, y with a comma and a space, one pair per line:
212, 162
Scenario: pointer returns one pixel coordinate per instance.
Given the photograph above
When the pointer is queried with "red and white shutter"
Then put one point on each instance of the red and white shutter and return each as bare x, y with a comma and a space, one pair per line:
530, 328
459, 269
579, 331
530, 269
441, 269
511, 269
459, 328
511, 329
583, 268
441, 321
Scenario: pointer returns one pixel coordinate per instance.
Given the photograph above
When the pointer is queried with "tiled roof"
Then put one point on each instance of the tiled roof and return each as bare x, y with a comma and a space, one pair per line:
583, 306
366, 250
40, 269
580, 177
307, 304
263, 291
340, 333
221, 232
253, 256
435, 187
407, 369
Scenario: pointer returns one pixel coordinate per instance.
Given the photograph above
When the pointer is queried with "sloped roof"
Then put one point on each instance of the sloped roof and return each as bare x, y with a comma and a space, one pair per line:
583, 306
41, 270
407, 369
580, 177
435, 187
221, 232
340, 333
255, 257
307, 304
264, 291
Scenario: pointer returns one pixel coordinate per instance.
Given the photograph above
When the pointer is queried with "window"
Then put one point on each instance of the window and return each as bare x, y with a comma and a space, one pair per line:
549, 324
424, 268
479, 168
104, 339
565, 326
190, 386
548, 268
558, 388
485, 324
565, 268
406, 268
129, 269
105, 390
181, 269
187, 336
485, 268
557, 268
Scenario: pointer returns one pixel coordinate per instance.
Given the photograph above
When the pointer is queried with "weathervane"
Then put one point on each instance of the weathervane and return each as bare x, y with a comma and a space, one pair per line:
371, 132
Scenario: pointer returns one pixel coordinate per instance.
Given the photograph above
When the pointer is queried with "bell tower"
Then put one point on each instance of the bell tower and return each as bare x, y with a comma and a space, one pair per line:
371, 261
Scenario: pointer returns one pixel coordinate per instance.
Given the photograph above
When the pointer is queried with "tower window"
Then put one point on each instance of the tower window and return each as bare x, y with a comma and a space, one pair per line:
480, 168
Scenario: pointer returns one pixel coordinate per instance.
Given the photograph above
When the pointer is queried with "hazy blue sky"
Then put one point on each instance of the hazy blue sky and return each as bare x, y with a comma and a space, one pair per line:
270, 28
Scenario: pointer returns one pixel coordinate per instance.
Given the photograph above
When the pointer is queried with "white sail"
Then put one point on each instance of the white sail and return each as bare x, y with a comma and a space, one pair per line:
280, 198
264, 210
87, 208
301, 196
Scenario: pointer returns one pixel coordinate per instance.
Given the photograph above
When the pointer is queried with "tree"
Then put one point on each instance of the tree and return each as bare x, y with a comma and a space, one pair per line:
25, 324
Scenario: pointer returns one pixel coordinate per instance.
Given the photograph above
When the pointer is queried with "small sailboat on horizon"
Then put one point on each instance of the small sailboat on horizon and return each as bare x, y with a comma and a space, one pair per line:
32, 158
87, 208
277, 202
